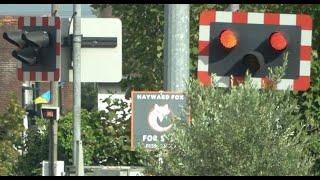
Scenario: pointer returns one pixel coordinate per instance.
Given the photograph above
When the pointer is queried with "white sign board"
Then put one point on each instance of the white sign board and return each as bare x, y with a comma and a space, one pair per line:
101, 64
59, 169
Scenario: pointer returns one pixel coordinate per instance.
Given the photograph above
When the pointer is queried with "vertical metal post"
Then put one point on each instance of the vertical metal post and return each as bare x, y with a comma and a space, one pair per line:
176, 50
53, 126
36, 94
77, 144
26, 100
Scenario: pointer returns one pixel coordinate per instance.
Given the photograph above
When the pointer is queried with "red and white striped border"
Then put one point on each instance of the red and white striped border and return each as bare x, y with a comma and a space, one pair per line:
35, 75
304, 21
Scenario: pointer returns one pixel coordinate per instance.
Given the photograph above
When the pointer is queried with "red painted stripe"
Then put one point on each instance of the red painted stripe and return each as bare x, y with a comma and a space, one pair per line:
204, 77
58, 49
240, 17
32, 75
45, 21
272, 18
33, 21
20, 22
265, 82
56, 75
305, 21
203, 48
57, 22
44, 76
207, 17
305, 53
20, 74
302, 83
237, 80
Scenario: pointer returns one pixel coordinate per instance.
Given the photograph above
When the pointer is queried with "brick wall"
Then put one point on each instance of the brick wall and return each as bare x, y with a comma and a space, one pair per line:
8, 78
67, 97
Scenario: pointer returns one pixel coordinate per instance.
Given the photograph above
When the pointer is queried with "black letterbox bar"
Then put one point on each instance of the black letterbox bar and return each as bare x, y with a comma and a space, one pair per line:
99, 42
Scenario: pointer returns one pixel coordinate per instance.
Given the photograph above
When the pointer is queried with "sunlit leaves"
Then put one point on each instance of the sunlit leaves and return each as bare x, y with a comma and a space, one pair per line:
241, 131
11, 137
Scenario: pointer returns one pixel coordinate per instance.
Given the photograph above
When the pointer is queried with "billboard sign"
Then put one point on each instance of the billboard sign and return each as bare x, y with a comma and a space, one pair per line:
152, 112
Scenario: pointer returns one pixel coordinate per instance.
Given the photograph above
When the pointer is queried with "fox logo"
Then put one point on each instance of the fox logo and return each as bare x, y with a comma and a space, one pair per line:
158, 114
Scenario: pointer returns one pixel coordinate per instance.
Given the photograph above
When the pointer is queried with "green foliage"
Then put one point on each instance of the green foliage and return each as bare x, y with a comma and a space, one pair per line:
143, 28
11, 129
105, 137
89, 93
309, 102
276, 73
36, 150
244, 132
11, 126
8, 158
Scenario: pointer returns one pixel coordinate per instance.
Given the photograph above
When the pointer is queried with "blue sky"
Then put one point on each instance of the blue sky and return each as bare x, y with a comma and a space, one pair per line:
42, 9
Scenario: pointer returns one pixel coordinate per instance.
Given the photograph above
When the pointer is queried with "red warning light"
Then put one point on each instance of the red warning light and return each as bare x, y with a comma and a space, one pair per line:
49, 114
228, 39
278, 41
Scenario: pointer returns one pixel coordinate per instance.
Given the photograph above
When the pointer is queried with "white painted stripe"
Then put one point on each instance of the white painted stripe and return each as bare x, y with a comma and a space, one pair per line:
221, 81
224, 16
256, 83
288, 19
285, 84
305, 67
26, 21
306, 37
50, 76
58, 35
203, 63
38, 21
26, 76
38, 76
58, 62
51, 21
255, 18
204, 33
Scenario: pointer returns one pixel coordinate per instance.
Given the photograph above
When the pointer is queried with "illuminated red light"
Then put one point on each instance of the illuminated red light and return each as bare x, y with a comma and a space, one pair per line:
49, 114
228, 39
278, 41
